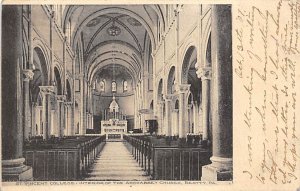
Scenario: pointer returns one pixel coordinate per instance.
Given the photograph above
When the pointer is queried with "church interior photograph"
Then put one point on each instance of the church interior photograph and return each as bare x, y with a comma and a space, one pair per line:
136, 92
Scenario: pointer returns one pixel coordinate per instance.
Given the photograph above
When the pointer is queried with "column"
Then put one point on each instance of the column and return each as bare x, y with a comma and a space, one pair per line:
196, 117
46, 91
205, 75
183, 91
12, 131
160, 117
28, 75
168, 102
60, 119
221, 166
53, 125
189, 120
82, 105
136, 122
175, 122
68, 128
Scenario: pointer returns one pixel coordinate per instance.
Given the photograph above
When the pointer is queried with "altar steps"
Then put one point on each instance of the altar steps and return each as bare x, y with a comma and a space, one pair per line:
115, 162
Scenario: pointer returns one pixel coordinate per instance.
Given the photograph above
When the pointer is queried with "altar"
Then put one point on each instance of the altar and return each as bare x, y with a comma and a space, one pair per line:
114, 123
113, 129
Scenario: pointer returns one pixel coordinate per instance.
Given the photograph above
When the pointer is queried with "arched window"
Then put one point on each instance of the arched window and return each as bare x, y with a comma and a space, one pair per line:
102, 86
125, 86
114, 86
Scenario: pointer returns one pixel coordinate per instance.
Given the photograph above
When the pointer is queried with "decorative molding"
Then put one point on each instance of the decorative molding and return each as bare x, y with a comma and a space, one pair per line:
60, 98
183, 88
47, 89
68, 103
168, 97
204, 73
28, 75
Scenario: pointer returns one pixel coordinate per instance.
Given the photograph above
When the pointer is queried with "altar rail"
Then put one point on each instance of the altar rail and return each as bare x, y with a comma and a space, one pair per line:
168, 162
67, 160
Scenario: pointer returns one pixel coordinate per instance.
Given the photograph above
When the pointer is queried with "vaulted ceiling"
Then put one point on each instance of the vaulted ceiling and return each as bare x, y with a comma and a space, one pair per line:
119, 34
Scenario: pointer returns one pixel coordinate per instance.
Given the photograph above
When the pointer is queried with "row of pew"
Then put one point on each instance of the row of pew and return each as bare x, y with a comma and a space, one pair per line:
164, 158
67, 159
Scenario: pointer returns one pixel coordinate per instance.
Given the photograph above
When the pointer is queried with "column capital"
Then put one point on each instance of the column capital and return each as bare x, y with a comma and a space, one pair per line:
160, 102
80, 76
68, 103
204, 73
60, 98
168, 97
183, 88
28, 75
47, 89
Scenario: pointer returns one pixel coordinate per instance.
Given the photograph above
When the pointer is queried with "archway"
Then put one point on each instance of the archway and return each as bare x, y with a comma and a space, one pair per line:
58, 81
194, 98
171, 81
40, 78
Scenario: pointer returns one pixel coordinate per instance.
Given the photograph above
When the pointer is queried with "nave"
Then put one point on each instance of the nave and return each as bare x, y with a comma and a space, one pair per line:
116, 162
76, 76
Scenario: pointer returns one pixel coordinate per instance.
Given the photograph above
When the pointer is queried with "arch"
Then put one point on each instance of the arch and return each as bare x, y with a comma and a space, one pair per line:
102, 86
151, 105
105, 63
190, 97
170, 81
125, 86
40, 46
68, 91
160, 90
39, 101
187, 62
41, 64
58, 81
208, 53
177, 104
40, 71
114, 86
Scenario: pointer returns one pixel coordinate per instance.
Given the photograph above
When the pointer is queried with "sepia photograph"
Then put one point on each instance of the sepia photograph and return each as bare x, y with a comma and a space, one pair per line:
117, 92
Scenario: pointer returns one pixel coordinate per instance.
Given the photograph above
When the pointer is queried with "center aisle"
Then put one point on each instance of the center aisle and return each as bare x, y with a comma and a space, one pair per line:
115, 162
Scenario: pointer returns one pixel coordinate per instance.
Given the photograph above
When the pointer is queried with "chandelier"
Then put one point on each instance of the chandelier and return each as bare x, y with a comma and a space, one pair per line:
113, 30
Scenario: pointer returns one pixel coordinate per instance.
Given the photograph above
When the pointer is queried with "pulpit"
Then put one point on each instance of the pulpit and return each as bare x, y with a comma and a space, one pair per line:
114, 124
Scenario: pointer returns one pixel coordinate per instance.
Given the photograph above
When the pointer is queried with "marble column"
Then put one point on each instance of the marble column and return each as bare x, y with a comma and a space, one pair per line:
183, 91
28, 75
221, 166
168, 116
205, 75
46, 92
13, 168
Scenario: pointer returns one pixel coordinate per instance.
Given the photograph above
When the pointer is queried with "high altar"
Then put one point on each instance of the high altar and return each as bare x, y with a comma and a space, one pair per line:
114, 124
